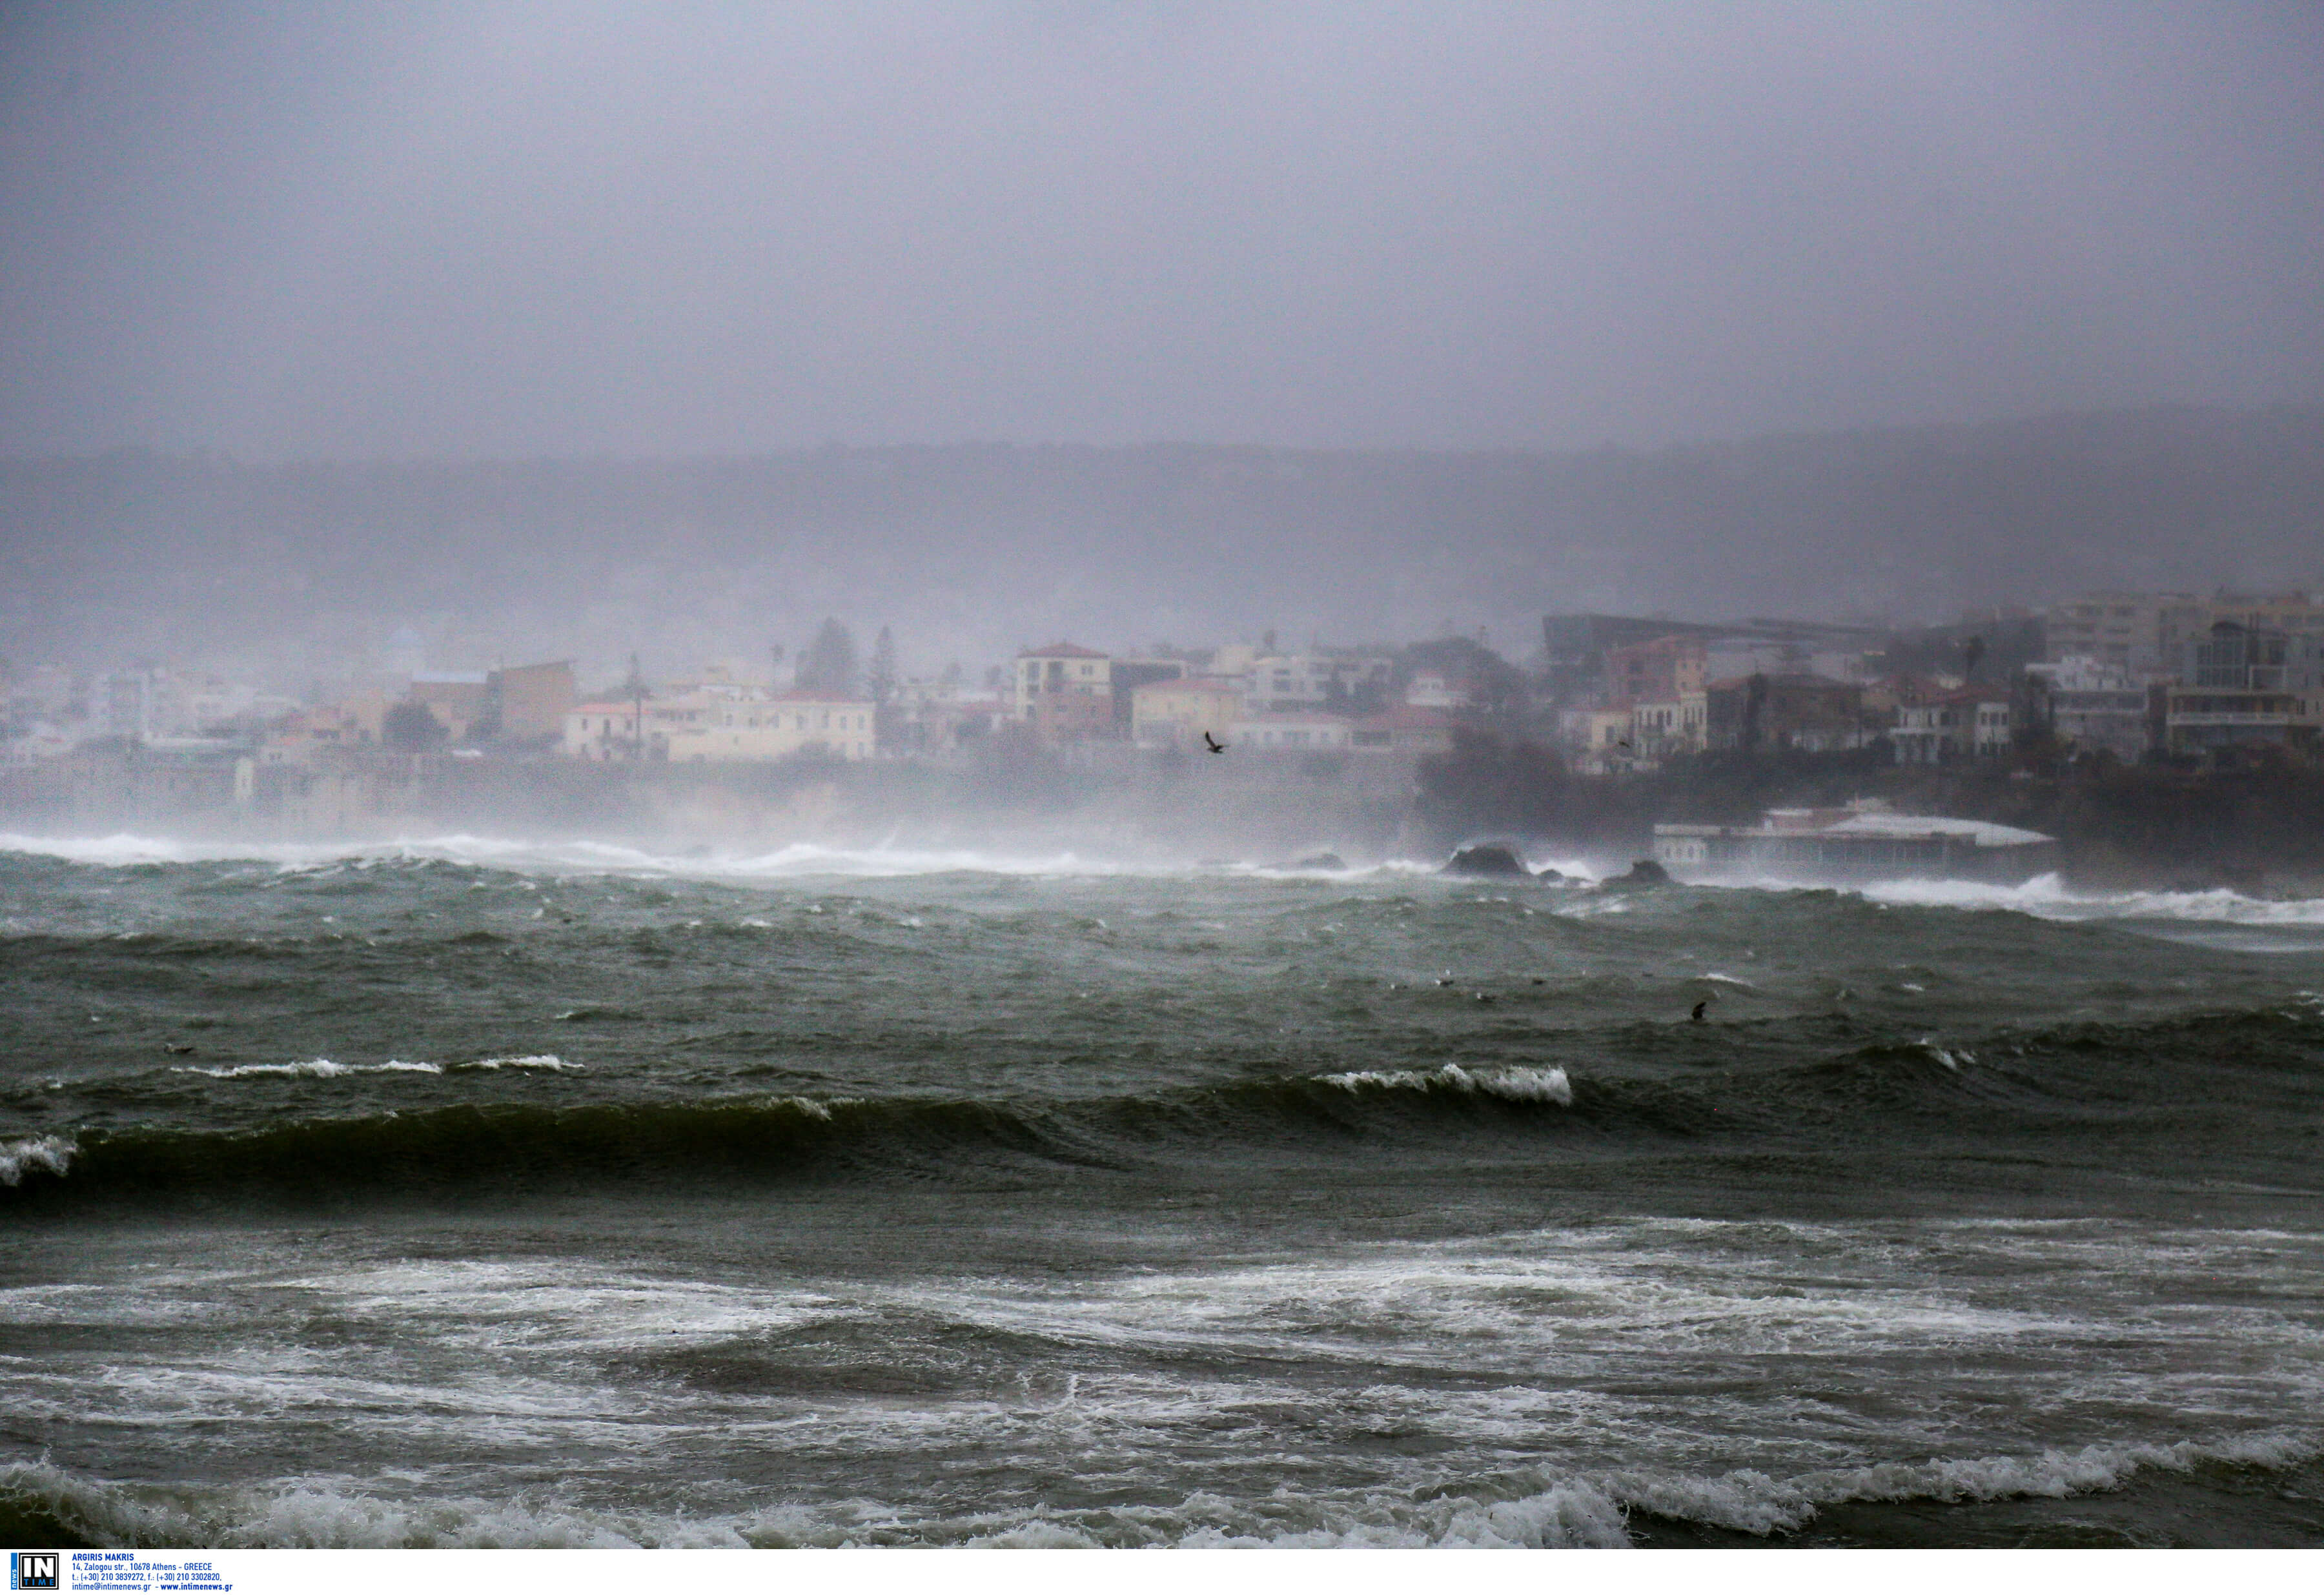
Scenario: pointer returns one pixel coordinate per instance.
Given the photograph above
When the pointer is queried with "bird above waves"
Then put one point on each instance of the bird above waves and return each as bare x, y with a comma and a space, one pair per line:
1212, 744
1697, 1015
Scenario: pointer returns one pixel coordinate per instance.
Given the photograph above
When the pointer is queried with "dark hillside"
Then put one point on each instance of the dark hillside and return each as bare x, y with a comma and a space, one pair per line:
974, 550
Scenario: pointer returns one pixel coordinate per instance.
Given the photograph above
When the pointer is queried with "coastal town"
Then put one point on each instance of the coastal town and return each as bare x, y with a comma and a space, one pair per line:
2187, 681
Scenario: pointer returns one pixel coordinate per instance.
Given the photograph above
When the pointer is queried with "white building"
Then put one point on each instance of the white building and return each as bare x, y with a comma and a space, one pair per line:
1181, 713
1289, 683
1292, 732
602, 732
1433, 689
730, 725
2094, 705
141, 703
1662, 730
760, 729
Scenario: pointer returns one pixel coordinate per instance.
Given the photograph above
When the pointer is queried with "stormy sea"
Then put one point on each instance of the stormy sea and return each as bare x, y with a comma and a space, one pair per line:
467, 1191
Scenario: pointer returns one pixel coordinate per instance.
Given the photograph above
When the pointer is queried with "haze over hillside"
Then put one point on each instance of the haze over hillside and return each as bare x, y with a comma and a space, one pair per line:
972, 551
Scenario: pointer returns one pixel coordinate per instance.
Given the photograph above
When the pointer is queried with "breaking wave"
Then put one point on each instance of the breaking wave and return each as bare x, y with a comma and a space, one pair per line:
47, 1154
1514, 1084
2047, 896
309, 1069
325, 1069
2260, 1072
1528, 1508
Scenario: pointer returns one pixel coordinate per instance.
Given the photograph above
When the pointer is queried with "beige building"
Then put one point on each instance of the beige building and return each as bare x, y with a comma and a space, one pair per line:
1061, 669
602, 732
1402, 729
1666, 728
532, 700
1599, 740
1164, 713
1294, 732
299, 737
758, 729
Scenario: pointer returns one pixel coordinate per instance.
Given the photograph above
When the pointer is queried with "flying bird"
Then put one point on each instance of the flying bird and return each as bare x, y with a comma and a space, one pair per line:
1697, 1015
1212, 744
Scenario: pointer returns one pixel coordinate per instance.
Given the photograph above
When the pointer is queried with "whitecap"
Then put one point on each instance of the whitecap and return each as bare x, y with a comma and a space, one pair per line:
1517, 1084
52, 1153
310, 1069
545, 1061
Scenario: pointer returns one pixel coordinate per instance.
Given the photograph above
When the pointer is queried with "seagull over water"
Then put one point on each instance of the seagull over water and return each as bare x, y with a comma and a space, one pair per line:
1212, 744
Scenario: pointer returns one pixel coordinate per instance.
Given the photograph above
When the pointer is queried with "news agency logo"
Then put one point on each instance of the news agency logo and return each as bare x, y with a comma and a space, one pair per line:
33, 1570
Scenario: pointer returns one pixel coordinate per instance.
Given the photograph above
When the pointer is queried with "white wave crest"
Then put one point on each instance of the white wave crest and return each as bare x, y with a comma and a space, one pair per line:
1517, 1083
2047, 896
309, 1069
1753, 1503
546, 1062
1575, 1510
795, 860
52, 1153
1940, 1054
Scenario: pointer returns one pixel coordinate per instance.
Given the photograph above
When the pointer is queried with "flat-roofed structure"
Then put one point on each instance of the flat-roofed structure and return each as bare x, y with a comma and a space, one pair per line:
1863, 842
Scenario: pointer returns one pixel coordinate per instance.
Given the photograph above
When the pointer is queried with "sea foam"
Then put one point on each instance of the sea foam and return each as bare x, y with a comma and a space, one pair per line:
1516, 1084
309, 1069
1531, 1508
2048, 897
50, 1153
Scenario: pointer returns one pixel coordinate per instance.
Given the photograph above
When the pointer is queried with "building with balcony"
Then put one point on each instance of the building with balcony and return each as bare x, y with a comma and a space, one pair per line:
2245, 687
1064, 692
1973, 723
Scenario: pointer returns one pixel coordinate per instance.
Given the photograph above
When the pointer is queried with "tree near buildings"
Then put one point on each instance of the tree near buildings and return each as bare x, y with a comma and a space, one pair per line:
828, 664
409, 728
883, 673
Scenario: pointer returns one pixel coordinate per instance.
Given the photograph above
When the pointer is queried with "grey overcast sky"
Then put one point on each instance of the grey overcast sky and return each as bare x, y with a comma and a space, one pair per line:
307, 229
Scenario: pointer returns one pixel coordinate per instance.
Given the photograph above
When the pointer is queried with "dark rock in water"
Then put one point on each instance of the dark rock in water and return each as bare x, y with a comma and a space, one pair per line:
1645, 873
1322, 861
1550, 874
1485, 861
